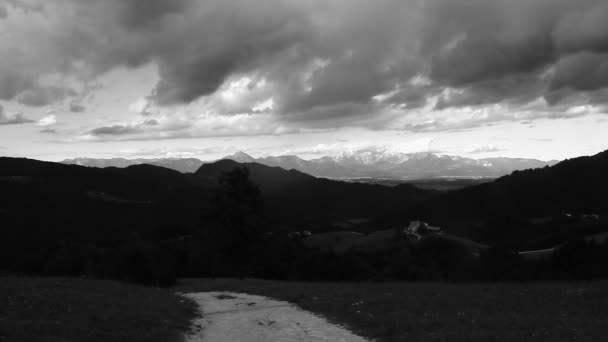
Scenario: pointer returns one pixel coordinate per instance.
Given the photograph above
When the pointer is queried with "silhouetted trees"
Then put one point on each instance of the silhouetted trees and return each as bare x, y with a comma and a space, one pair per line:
233, 224
238, 205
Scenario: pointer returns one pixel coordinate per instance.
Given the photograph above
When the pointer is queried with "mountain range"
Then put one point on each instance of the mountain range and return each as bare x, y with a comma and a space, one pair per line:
368, 164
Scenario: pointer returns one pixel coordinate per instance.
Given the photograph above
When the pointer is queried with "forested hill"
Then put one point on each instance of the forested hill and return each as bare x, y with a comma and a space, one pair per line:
573, 186
293, 193
76, 193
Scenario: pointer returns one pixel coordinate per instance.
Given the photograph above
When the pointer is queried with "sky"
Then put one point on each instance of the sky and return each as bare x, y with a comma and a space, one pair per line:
207, 78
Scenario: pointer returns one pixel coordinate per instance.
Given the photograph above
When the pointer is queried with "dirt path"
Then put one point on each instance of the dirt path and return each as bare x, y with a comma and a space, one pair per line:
236, 317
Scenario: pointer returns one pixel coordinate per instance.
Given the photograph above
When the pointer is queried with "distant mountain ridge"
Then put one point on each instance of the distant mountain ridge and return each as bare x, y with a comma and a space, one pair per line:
352, 165
183, 165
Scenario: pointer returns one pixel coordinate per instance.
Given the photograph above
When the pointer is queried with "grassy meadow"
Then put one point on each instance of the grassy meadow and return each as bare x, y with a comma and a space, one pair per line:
443, 312
67, 309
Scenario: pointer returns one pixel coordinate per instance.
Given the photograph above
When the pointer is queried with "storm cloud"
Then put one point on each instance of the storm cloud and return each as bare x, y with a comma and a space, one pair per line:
319, 61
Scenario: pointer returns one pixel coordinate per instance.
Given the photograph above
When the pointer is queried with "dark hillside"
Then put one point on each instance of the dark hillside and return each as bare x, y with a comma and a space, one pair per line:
293, 195
56, 217
575, 187
148, 224
141, 182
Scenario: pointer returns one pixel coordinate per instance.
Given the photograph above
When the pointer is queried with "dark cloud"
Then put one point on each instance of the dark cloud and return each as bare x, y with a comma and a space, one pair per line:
113, 130
141, 14
470, 41
348, 81
186, 83
13, 82
143, 130
48, 131
583, 29
325, 62
77, 107
223, 39
515, 89
15, 119
411, 97
515, 51
3, 12
584, 71
332, 115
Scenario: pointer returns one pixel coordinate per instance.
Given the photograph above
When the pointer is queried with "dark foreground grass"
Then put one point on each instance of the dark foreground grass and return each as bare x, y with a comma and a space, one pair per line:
444, 312
63, 309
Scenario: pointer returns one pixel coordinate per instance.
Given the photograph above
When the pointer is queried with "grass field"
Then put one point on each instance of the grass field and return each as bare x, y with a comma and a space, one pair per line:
62, 309
443, 312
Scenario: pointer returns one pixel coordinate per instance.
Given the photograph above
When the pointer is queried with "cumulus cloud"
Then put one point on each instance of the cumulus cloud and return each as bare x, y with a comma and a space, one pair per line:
47, 120
142, 106
323, 62
476, 149
15, 119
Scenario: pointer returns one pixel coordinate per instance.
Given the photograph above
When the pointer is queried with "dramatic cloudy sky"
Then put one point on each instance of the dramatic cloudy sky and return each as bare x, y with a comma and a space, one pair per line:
204, 78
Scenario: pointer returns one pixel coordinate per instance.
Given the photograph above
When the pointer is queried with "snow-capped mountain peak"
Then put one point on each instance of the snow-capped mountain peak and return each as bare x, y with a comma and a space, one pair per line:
241, 157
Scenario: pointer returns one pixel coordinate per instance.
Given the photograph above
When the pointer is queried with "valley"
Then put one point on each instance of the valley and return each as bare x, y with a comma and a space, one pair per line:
445, 183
